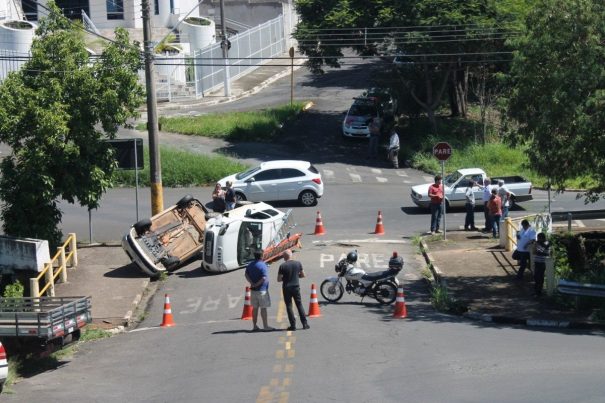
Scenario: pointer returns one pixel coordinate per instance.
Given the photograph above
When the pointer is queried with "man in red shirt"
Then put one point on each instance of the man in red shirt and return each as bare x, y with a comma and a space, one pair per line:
436, 195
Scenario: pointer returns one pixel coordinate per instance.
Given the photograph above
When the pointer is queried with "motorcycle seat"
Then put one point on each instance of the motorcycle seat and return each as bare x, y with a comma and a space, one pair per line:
378, 275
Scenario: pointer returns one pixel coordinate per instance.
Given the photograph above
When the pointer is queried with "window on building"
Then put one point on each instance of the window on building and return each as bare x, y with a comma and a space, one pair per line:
156, 6
30, 9
115, 9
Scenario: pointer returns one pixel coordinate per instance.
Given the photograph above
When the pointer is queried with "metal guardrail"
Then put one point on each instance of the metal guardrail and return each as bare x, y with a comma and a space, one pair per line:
581, 289
67, 254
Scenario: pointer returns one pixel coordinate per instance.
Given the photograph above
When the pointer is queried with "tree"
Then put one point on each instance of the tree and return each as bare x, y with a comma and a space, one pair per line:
54, 114
445, 40
558, 91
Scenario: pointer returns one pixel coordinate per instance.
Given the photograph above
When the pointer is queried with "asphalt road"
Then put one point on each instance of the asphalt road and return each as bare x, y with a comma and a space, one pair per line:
355, 351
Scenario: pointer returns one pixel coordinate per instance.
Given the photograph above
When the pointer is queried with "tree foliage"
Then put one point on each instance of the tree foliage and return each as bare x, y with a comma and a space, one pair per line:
558, 91
448, 43
54, 114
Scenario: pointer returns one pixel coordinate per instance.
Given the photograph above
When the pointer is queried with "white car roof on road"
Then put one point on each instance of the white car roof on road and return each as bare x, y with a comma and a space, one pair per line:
285, 163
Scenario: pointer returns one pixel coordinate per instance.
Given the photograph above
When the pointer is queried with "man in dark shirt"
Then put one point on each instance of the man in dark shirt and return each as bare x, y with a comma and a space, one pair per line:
289, 273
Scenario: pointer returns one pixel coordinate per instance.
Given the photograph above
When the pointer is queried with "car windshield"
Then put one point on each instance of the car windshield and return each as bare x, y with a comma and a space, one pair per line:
362, 110
452, 178
247, 173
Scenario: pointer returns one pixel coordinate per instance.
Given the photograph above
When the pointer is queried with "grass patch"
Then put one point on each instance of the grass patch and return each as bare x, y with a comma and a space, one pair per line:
442, 301
495, 157
263, 125
182, 169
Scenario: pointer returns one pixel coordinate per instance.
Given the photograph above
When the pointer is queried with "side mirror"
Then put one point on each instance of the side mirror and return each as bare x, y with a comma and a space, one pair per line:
250, 180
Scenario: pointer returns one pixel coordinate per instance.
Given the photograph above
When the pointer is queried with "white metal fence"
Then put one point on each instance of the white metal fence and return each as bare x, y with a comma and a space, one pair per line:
11, 60
204, 72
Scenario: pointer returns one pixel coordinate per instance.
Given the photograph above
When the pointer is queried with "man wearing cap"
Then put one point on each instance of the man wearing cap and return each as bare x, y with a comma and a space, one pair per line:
257, 274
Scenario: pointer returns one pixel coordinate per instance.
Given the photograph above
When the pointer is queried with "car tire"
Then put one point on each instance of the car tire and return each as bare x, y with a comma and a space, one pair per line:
239, 197
307, 198
142, 226
184, 202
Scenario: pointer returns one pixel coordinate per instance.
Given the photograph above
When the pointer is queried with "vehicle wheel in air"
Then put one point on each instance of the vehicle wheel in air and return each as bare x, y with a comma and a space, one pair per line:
171, 263
307, 198
212, 215
386, 293
184, 202
331, 292
142, 226
239, 197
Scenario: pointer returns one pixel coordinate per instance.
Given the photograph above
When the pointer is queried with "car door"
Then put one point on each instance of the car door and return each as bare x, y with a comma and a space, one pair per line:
263, 186
290, 183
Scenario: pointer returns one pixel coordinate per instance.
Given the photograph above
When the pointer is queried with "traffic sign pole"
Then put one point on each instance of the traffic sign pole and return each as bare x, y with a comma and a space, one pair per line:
442, 151
443, 201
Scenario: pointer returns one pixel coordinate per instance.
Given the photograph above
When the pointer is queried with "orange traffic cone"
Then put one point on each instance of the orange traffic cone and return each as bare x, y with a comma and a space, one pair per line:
379, 230
167, 320
314, 305
401, 311
247, 313
319, 226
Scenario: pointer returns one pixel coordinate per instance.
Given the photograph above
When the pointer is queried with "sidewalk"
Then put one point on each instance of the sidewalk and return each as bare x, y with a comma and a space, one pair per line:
480, 275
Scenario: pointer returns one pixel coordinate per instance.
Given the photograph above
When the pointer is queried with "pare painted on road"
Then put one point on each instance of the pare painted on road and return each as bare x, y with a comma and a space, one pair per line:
365, 261
207, 304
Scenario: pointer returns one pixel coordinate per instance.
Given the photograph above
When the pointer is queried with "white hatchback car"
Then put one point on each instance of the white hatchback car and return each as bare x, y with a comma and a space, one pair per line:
278, 180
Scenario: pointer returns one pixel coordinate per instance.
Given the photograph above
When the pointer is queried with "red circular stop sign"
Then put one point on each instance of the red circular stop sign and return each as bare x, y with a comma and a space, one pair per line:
442, 151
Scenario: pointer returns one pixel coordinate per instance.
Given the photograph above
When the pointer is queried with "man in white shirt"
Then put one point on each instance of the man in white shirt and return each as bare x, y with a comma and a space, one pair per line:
525, 237
394, 148
505, 197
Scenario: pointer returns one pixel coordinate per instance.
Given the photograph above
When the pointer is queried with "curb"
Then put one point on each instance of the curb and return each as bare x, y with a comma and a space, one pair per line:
483, 317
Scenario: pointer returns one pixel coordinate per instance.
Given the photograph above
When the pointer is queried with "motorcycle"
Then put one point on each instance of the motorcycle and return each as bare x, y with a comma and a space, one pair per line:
381, 286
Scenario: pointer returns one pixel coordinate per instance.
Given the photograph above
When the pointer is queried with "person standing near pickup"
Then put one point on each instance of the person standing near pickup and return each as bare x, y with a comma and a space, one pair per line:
542, 252
469, 220
436, 196
487, 194
505, 197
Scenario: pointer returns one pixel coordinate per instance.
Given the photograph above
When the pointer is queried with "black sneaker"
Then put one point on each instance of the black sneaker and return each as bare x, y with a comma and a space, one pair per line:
292, 328
306, 326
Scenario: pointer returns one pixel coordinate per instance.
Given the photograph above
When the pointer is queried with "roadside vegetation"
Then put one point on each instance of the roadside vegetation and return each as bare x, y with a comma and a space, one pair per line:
182, 169
263, 125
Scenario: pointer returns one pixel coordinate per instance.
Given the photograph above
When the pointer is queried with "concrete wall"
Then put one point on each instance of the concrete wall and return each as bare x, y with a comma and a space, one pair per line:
23, 253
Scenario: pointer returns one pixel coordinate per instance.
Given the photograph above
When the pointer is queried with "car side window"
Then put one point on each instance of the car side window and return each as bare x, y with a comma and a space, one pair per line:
288, 173
268, 175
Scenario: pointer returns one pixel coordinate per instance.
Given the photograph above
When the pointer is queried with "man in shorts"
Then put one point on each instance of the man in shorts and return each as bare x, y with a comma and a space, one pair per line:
257, 274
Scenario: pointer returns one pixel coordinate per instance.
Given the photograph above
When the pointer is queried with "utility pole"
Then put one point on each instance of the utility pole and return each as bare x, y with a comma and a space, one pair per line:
225, 45
155, 169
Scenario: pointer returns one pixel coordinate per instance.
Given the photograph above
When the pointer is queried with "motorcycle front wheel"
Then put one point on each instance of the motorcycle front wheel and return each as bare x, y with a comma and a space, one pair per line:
331, 291
385, 293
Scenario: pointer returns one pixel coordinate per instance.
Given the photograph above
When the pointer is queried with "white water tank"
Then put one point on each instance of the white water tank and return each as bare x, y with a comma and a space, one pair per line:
198, 31
17, 35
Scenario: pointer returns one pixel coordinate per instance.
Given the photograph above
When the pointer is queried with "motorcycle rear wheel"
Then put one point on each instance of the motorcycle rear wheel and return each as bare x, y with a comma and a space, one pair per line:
385, 293
331, 291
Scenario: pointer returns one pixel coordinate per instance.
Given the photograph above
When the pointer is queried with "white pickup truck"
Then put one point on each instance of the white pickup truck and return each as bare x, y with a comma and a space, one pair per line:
456, 183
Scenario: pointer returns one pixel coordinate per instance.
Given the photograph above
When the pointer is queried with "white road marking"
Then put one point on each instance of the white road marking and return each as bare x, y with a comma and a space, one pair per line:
401, 173
407, 181
328, 173
579, 223
355, 177
428, 178
381, 179
376, 171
